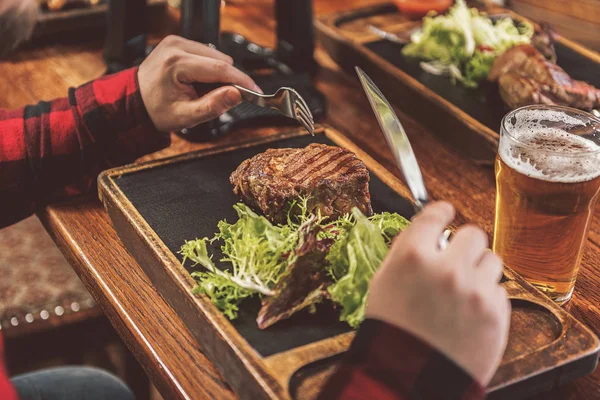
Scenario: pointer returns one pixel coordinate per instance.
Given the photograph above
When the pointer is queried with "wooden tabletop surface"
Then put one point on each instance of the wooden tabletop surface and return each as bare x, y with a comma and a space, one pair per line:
151, 329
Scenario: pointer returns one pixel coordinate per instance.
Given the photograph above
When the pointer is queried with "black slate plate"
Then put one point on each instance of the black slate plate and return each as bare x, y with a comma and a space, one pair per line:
186, 200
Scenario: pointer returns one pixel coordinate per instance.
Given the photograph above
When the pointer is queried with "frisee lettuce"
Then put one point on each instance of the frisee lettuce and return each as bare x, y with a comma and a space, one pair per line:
253, 247
259, 253
464, 43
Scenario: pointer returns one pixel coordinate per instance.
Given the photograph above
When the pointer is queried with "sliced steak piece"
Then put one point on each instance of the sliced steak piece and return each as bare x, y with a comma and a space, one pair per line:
333, 177
518, 91
513, 59
525, 77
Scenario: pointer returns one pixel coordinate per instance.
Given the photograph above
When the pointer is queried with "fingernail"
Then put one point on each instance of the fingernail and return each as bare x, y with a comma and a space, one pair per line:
258, 89
232, 99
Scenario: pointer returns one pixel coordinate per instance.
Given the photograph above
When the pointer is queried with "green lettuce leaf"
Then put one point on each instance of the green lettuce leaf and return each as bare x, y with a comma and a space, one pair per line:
353, 259
253, 247
478, 68
220, 286
222, 291
464, 43
389, 224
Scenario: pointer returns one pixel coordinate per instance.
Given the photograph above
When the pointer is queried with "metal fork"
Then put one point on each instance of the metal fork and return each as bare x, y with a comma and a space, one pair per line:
286, 100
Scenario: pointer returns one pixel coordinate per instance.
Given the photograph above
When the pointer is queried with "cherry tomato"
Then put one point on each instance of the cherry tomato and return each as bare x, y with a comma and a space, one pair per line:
416, 9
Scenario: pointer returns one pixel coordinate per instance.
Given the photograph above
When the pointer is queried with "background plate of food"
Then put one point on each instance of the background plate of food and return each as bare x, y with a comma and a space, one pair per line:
467, 67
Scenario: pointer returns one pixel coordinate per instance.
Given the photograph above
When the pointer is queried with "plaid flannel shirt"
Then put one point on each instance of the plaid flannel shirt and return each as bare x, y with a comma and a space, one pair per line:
387, 363
56, 149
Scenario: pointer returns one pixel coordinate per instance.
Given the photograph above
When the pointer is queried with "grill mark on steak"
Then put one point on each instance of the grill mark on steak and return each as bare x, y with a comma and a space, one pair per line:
301, 160
334, 179
321, 168
303, 164
351, 170
304, 161
347, 159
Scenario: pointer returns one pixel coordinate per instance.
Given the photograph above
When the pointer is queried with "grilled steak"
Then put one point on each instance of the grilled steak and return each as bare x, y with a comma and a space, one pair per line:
525, 77
512, 59
334, 178
517, 91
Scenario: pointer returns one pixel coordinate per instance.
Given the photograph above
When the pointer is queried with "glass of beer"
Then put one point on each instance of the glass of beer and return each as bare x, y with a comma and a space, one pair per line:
547, 184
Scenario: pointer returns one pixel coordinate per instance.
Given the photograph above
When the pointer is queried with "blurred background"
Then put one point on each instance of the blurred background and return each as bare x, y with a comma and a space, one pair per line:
578, 20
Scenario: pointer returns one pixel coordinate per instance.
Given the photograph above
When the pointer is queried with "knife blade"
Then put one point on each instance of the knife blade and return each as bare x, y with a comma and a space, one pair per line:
396, 138
400, 146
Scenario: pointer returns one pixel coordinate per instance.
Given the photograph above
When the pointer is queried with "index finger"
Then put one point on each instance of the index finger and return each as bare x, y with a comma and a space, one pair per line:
200, 49
427, 227
207, 70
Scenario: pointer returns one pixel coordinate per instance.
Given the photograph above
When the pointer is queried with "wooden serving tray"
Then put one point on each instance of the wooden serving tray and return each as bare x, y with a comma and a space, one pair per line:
156, 206
470, 118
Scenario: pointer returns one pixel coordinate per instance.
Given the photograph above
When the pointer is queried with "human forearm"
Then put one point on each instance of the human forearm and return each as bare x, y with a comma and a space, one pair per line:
56, 149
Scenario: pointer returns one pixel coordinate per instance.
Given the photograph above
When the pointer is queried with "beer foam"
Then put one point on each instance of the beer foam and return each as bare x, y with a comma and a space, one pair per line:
546, 152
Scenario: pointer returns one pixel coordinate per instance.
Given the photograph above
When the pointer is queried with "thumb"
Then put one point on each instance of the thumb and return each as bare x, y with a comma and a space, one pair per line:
211, 105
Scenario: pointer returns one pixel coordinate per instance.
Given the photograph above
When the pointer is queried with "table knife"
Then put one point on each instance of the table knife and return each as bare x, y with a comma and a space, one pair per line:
398, 143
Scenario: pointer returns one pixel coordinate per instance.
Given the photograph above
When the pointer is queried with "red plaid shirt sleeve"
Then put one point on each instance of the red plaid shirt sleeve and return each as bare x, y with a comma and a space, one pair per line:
56, 149
387, 363
7, 392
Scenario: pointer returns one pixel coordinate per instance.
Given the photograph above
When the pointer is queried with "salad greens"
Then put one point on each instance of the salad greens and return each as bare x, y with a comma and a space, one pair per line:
259, 253
389, 224
353, 260
464, 43
253, 247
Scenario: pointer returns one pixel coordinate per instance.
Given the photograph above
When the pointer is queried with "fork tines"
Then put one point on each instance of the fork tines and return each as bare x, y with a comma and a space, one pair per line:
303, 115
285, 100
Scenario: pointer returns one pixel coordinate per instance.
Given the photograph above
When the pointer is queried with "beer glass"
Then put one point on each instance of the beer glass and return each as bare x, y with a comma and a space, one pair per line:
547, 184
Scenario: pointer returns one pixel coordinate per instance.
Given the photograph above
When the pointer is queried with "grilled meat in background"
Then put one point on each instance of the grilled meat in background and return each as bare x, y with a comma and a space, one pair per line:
543, 40
333, 177
526, 77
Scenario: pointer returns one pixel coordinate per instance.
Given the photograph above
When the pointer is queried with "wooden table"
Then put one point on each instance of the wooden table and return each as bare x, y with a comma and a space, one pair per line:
151, 329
